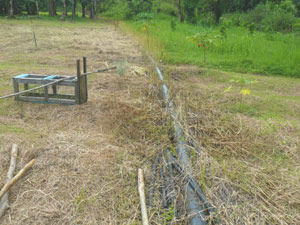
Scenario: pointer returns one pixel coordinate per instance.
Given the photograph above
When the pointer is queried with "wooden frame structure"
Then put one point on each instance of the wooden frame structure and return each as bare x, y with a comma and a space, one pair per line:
79, 83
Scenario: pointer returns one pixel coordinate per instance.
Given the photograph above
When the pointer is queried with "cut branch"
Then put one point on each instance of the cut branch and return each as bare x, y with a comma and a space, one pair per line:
4, 202
14, 180
141, 186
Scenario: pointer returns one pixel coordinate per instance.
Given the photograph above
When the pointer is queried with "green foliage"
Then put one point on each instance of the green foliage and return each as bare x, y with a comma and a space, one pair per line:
243, 83
190, 10
138, 6
288, 6
173, 25
166, 7
260, 52
270, 17
205, 40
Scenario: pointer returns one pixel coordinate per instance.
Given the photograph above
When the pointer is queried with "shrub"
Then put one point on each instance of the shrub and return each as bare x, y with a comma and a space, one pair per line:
165, 7
138, 6
279, 20
206, 20
270, 17
289, 7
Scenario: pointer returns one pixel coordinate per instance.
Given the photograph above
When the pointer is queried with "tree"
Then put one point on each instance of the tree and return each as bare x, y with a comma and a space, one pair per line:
37, 9
93, 9
64, 11
11, 9
190, 7
83, 5
217, 9
73, 9
180, 12
52, 8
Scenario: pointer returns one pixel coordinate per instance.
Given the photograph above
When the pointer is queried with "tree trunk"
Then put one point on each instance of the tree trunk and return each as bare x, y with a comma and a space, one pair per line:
27, 9
73, 9
54, 9
64, 11
37, 9
51, 8
218, 12
180, 13
83, 9
91, 10
95, 9
93, 13
11, 10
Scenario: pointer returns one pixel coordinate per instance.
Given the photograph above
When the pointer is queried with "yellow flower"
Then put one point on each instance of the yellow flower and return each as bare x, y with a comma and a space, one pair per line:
144, 28
245, 92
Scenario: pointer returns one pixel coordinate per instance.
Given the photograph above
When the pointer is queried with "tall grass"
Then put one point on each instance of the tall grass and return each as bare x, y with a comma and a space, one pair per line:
240, 51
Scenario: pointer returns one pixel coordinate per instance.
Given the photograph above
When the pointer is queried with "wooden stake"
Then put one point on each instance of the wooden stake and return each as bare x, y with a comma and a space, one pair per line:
34, 39
14, 180
85, 79
4, 202
78, 83
141, 186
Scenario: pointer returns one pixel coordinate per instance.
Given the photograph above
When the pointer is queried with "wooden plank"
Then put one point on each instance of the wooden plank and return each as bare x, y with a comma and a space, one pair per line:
16, 88
50, 100
41, 81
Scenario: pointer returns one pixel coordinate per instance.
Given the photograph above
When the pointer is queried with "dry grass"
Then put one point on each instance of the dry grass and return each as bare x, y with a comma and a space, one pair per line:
249, 165
87, 155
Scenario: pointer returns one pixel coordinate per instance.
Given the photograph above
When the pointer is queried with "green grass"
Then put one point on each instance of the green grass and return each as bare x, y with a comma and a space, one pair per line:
240, 51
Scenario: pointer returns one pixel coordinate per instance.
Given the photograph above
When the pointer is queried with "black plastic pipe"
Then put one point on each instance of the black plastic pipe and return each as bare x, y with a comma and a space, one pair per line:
153, 178
196, 210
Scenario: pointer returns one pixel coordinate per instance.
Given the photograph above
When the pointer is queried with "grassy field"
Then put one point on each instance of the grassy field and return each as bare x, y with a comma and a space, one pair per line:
251, 160
88, 155
236, 50
250, 168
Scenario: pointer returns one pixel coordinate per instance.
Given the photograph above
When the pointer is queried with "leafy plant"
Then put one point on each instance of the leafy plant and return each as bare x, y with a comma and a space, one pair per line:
169, 215
205, 40
243, 82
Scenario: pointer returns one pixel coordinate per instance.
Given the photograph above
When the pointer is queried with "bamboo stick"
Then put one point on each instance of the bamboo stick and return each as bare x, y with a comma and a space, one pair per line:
14, 180
4, 202
141, 187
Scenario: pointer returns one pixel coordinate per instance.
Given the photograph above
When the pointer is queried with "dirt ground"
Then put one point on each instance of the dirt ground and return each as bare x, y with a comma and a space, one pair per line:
86, 155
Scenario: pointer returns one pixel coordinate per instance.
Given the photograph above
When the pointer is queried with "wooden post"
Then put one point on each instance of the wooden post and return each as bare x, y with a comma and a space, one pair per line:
85, 79
46, 94
77, 86
54, 89
26, 86
16, 88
